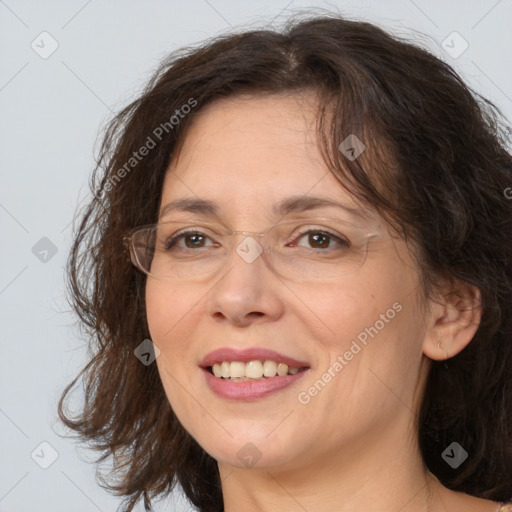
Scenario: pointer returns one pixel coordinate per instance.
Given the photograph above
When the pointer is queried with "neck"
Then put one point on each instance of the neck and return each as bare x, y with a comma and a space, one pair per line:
385, 475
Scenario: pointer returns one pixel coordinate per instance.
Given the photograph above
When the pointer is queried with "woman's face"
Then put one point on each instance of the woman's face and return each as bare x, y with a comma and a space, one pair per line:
360, 335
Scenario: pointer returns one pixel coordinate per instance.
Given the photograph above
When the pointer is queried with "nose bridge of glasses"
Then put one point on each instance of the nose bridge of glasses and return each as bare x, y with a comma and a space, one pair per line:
248, 245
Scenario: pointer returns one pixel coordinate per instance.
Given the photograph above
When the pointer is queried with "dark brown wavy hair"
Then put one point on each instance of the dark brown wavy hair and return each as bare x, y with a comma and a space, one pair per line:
436, 167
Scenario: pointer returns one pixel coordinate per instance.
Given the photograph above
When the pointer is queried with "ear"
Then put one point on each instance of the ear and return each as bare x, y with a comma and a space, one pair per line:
453, 321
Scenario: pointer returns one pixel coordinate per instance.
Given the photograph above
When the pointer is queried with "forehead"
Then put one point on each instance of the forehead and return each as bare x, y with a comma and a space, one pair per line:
248, 153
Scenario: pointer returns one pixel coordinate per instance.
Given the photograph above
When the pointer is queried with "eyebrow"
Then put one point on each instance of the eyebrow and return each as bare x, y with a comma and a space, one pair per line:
284, 207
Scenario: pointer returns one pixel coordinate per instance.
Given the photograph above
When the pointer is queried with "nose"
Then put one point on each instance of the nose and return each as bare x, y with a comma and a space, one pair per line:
247, 292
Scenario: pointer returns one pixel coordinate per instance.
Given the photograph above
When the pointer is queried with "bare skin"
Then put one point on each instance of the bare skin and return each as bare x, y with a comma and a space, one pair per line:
353, 445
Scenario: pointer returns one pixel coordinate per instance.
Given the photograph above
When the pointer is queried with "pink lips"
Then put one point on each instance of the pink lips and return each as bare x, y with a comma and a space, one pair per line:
249, 390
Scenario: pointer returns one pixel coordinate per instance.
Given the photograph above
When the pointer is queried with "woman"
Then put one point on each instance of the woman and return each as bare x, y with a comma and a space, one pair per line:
319, 312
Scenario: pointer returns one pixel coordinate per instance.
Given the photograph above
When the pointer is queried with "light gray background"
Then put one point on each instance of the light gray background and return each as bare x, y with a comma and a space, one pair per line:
51, 111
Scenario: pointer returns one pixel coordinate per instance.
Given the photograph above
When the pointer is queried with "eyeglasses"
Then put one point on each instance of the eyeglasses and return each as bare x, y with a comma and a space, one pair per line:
317, 249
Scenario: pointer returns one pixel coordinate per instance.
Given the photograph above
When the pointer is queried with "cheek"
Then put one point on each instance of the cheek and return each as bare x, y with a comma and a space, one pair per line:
368, 328
168, 305
172, 310
338, 314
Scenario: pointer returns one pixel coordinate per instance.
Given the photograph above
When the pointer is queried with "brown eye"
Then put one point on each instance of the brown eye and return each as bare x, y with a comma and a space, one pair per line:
187, 240
322, 240
194, 240
319, 240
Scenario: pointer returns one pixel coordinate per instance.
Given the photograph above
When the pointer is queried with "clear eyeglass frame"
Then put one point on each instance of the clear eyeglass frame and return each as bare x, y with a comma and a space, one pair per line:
288, 262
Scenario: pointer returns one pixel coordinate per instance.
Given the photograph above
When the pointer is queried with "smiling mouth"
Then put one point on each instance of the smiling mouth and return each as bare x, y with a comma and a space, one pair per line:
252, 370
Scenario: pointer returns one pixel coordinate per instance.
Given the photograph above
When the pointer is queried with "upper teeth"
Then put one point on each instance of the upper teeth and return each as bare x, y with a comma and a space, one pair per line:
252, 369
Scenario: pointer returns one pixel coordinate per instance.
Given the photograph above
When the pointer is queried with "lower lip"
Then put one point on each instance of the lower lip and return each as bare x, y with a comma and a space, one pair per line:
246, 391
